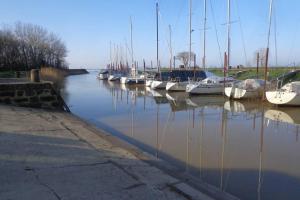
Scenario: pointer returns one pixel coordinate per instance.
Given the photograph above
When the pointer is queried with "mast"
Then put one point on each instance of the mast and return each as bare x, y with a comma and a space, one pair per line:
204, 37
131, 43
110, 55
190, 34
267, 50
157, 59
228, 31
171, 51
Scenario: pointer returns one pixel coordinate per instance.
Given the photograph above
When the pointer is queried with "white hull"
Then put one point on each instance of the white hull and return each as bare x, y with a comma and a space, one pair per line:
229, 91
123, 80
176, 86
158, 85
200, 88
247, 94
102, 76
148, 83
114, 77
283, 98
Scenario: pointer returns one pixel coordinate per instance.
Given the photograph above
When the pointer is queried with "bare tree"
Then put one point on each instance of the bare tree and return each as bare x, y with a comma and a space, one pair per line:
28, 46
262, 56
184, 57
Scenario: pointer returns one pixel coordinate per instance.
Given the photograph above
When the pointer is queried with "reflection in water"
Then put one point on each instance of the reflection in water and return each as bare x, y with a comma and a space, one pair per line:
245, 148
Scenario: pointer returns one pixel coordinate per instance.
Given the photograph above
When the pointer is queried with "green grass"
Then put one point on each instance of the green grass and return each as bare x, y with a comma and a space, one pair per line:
7, 74
250, 72
245, 73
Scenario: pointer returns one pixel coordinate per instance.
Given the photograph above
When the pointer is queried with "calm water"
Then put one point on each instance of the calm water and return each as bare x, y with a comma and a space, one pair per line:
248, 149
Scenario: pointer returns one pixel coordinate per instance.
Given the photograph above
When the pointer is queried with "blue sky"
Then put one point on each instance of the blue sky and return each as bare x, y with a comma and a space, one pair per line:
88, 26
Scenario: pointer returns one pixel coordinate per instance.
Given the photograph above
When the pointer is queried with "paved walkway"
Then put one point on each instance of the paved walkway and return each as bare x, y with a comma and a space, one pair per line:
54, 155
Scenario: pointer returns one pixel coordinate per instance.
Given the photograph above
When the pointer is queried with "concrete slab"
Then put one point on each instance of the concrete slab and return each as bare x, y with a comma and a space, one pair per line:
54, 155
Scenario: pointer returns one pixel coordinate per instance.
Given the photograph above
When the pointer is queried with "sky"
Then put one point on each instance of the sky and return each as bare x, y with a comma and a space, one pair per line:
88, 27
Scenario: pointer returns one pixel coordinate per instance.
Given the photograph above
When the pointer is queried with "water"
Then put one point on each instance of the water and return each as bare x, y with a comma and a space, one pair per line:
248, 149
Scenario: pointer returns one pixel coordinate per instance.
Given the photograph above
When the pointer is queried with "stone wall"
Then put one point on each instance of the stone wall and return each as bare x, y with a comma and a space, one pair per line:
28, 94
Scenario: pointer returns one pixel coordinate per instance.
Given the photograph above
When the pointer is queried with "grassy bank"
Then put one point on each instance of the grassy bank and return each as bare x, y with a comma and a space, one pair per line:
245, 73
7, 74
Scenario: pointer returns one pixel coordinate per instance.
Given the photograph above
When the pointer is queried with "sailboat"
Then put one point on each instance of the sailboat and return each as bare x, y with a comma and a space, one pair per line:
158, 82
210, 85
252, 88
114, 77
132, 78
289, 94
180, 83
103, 74
249, 88
214, 84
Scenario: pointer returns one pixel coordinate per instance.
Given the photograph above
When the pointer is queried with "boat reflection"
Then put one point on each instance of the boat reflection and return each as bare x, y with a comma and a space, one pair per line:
235, 106
290, 115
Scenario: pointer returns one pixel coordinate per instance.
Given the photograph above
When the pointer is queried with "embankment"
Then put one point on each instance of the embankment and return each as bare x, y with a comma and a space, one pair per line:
29, 94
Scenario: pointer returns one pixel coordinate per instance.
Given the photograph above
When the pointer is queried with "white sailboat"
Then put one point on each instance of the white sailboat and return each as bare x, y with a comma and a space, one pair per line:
252, 88
210, 85
157, 83
249, 88
214, 84
176, 84
149, 82
289, 94
114, 77
103, 75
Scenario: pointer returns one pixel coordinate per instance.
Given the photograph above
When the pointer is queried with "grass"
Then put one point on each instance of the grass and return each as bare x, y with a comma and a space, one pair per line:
7, 74
245, 73
250, 72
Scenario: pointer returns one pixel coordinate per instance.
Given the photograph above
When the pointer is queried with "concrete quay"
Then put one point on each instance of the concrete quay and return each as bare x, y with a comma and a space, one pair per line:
55, 155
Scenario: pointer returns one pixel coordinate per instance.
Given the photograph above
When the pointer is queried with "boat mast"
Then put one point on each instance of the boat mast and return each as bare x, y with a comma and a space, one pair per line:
190, 36
171, 51
228, 32
267, 49
110, 55
131, 45
157, 59
204, 37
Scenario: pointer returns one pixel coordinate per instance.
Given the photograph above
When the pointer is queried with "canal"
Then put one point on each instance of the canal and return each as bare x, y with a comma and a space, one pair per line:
245, 148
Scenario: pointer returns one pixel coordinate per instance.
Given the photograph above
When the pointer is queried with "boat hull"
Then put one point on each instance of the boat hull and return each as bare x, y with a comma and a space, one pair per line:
148, 83
205, 88
247, 94
229, 91
283, 98
158, 85
133, 81
113, 78
123, 80
176, 86
102, 76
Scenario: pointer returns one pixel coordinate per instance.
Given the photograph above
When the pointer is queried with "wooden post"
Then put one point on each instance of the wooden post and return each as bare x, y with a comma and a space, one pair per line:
225, 69
144, 70
194, 67
257, 64
266, 73
174, 58
35, 75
